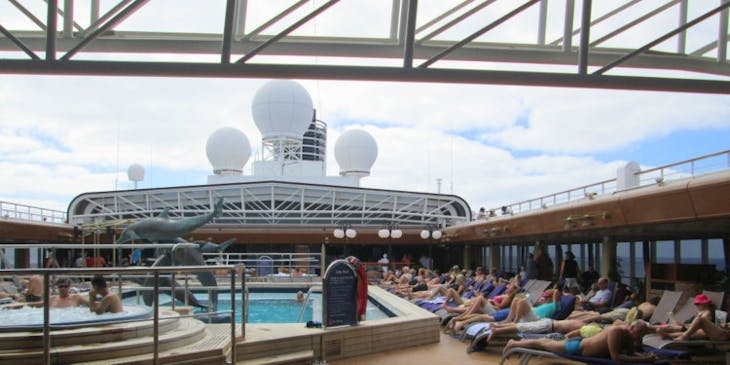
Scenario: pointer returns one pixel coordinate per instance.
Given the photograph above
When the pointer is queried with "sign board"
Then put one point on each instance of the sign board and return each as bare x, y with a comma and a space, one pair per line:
339, 289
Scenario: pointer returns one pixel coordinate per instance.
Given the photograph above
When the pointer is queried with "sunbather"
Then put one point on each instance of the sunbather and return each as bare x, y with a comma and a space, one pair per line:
705, 309
480, 304
519, 309
646, 310
702, 328
522, 311
619, 343
541, 326
442, 289
601, 298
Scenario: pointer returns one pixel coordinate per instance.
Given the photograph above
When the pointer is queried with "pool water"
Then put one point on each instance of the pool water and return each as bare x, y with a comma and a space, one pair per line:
32, 317
270, 307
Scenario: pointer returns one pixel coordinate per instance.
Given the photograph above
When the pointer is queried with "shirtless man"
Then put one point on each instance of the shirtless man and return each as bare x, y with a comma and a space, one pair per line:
618, 342
64, 298
34, 289
109, 302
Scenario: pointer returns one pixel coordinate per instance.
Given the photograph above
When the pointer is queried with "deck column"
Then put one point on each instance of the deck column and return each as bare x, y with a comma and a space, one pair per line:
726, 246
608, 259
494, 256
467, 257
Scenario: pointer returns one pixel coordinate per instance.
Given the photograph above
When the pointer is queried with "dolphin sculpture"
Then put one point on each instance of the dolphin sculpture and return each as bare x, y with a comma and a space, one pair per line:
162, 229
188, 256
210, 247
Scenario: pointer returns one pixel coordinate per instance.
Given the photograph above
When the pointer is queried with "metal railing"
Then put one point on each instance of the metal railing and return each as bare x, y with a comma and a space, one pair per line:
679, 170
10, 210
285, 260
120, 272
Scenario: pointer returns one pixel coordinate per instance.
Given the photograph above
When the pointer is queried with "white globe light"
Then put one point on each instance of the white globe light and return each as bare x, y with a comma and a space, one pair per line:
228, 151
355, 152
383, 233
350, 233
436, 235
282, 109
135, 172
339, 233
425, 234
397, 233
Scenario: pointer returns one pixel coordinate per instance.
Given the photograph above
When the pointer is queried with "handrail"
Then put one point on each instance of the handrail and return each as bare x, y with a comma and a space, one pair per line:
289, 260
47, 273
306, 300
98, 245
28, 212
646, 177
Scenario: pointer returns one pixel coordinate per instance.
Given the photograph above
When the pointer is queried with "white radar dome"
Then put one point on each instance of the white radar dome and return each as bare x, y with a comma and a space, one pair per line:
282, 109
135, 172
228, 151
355, 152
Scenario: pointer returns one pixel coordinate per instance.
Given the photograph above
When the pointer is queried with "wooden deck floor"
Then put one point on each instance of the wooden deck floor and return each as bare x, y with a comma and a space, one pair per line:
448, 351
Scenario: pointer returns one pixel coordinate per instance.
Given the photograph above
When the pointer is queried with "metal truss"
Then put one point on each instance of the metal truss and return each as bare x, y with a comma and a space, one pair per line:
590, 44
275, 204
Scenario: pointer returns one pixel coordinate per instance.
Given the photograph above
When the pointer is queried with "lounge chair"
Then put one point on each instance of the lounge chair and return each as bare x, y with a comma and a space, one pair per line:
480, 331
715, 296
666, 304
688, 310
656, 341
685, 312
527, 354
536, 290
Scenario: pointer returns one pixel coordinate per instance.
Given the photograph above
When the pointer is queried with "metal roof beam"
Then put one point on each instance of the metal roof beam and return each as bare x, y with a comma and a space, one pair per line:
124, 14
661, 39
18, 43
363, 73
478, 33
286, 31
457, 20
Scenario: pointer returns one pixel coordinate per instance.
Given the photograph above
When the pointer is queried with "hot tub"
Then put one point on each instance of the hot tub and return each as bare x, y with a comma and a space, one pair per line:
31, 318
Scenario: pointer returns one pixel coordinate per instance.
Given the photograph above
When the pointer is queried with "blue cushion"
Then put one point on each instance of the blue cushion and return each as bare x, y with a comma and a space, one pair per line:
499, 289
567, 304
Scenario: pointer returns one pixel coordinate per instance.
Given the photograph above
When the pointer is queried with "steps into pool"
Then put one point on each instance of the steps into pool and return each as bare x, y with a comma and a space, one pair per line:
181, 341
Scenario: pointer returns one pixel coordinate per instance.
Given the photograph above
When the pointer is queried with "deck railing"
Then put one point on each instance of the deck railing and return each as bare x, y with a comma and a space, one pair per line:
121, 272
679, 170
10, 210
308, 263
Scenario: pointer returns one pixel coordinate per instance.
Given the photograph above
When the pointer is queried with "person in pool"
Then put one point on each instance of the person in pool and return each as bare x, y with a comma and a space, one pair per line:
617, 342
65, 298
109, 301
33, 290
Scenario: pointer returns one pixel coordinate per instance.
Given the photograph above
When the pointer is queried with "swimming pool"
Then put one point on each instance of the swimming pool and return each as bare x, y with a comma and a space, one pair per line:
275, 306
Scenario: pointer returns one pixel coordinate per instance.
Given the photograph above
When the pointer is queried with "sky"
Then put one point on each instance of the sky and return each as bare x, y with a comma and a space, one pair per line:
61, 136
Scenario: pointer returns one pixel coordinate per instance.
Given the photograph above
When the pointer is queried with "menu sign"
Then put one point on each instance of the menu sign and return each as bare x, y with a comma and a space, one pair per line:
340, 295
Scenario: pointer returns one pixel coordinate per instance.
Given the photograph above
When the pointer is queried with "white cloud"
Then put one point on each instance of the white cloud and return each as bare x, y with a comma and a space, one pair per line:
567, 121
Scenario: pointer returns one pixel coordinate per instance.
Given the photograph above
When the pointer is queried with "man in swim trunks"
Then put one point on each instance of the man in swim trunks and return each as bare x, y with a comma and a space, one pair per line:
34, 289
109, 301
618, 342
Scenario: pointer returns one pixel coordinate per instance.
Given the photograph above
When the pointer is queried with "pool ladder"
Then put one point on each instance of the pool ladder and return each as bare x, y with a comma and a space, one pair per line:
306, 300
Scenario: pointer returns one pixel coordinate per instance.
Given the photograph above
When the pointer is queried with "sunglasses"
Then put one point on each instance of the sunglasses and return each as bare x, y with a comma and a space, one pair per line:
63, 286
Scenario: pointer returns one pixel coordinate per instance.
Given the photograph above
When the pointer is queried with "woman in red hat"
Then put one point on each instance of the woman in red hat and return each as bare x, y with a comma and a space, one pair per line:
705, 317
